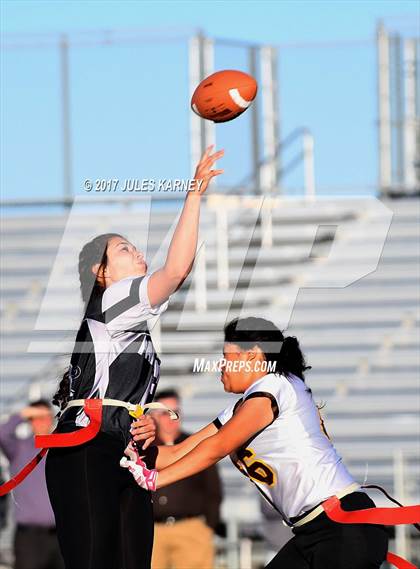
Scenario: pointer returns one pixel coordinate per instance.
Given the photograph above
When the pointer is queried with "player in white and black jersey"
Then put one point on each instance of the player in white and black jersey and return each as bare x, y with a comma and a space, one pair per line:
275, 435
104, 520
114, 355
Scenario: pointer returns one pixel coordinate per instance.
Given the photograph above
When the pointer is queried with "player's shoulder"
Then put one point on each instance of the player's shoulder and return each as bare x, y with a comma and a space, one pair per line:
126, 282
281, 389
272, 382
121, 289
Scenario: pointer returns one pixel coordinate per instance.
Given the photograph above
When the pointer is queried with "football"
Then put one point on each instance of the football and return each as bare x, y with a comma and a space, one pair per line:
224, 95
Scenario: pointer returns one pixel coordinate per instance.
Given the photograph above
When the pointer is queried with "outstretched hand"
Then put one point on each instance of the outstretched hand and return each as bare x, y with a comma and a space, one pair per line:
204, 172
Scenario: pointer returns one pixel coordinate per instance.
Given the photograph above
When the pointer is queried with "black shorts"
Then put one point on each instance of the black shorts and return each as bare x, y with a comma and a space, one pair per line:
324, 544
104, 519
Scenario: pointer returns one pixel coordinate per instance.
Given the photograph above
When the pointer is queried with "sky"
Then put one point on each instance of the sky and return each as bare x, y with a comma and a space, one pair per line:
260, 21
129, 103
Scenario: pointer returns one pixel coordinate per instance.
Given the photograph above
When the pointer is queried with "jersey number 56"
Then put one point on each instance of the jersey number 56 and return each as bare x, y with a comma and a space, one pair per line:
255, 469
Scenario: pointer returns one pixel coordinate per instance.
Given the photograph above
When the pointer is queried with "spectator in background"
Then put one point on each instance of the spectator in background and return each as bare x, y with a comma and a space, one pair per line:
3, 504
187, 512
35, 541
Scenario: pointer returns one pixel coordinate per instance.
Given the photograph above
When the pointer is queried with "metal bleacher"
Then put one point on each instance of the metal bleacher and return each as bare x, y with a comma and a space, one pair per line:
362, 340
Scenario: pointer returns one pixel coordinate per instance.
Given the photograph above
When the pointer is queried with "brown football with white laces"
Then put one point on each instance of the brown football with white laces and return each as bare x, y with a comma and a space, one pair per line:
224, 95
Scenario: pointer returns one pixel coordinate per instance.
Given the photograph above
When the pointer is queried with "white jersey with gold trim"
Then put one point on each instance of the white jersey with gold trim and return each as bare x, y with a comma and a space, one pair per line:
292, 461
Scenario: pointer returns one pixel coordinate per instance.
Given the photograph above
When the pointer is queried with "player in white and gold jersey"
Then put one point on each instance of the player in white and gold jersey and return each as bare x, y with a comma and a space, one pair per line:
275, 435
291, 460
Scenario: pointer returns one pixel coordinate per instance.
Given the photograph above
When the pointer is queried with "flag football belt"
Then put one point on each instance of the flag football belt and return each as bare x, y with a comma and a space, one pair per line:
93, 410
320, 509
382, 516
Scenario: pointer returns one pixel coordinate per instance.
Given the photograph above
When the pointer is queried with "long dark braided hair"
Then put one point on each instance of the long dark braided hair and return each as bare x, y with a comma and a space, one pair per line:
92, 253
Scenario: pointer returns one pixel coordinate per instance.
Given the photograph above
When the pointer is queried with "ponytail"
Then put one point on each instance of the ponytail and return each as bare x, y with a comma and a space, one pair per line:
290, 358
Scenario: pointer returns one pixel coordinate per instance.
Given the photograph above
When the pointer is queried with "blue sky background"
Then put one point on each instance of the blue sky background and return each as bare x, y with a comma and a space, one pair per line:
130, 101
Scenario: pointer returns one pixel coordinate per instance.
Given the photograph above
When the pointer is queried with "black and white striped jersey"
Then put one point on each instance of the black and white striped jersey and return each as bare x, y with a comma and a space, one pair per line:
114, 356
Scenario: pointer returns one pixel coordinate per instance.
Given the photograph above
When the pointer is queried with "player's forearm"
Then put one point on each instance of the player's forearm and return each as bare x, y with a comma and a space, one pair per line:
184, 241
164, 456
183, 245
205, 454
167, 455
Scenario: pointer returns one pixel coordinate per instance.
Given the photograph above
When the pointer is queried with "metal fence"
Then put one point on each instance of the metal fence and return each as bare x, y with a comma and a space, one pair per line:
115, 105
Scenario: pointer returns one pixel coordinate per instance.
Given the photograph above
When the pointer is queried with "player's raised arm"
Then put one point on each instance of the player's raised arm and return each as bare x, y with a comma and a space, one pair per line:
182, 249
